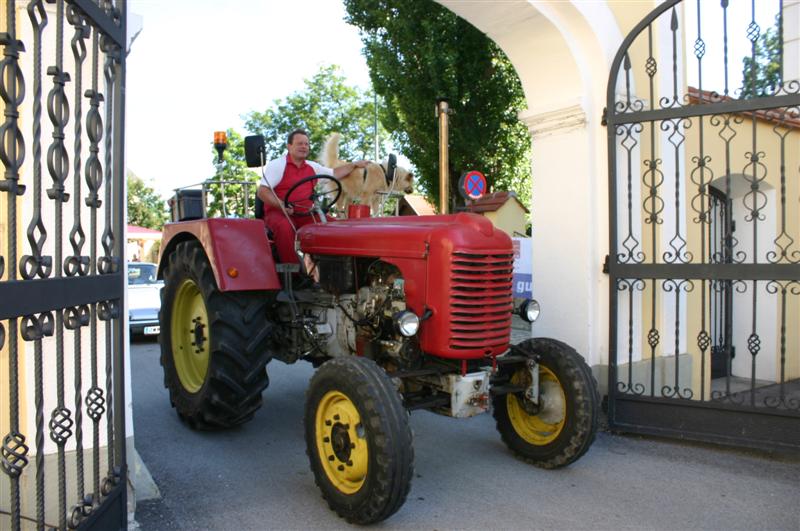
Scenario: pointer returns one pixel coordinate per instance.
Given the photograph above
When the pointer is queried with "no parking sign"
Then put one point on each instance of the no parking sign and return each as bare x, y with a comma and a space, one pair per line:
472, 185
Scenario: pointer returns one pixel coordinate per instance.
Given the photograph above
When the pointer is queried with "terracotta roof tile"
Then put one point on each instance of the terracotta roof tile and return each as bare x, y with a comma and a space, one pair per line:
493, 202
788, 117
135, 229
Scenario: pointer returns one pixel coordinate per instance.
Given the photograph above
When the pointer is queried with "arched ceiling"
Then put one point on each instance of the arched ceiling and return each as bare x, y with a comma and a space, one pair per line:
561, 50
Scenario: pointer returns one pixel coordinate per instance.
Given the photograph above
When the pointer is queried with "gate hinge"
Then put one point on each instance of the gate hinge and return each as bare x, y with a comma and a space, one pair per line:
606, 269
604, 118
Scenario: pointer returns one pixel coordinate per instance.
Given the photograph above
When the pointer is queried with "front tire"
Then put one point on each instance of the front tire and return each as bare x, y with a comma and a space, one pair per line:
358, 440
214, 345
560, 429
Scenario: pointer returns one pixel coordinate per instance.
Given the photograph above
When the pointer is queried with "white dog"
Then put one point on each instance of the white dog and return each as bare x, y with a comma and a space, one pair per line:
362, 184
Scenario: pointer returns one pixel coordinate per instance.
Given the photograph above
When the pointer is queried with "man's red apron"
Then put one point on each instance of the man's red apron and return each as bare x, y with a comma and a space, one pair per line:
275, 219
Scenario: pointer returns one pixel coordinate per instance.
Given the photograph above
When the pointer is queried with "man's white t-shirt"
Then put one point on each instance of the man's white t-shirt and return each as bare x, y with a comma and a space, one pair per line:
273, 171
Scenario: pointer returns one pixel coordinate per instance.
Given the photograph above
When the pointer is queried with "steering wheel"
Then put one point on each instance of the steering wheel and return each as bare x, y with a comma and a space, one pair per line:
319, 200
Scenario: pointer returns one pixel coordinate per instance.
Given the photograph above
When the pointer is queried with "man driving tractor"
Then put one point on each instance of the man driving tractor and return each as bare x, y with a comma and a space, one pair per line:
280, 175
403, 314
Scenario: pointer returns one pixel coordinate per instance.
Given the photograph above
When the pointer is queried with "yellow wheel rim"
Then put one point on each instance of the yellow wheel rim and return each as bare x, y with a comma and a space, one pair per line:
190, 336
341, 442
532, 428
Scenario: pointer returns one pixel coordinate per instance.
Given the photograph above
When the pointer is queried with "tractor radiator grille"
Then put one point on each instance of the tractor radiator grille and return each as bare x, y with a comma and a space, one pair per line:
481, 301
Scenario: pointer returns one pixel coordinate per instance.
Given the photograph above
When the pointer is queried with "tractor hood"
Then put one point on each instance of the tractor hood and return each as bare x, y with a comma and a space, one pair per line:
401, 236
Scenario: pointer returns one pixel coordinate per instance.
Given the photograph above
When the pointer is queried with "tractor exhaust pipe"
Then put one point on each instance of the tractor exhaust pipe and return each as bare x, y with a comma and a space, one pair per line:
442, 110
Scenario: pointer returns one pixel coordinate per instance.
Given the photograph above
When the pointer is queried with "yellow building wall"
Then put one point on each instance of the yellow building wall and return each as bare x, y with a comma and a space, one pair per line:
778, 324
772, 143
24, 208
629, 15
510, 218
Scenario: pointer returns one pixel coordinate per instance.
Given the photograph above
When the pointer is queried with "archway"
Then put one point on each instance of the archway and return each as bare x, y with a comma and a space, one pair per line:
562, 53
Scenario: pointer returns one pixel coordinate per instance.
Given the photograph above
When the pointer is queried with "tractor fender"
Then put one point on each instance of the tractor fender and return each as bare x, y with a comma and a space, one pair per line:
237, 249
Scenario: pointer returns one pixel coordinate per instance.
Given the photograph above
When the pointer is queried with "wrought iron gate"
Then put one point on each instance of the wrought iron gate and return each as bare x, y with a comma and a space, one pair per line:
686, 165
61, 259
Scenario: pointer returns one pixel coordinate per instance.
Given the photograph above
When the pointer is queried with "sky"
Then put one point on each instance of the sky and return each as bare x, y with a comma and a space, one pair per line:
197, 66
739, 15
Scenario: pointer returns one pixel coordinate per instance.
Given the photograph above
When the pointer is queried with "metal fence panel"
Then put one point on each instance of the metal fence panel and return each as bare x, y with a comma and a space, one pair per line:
61, 258
704, 263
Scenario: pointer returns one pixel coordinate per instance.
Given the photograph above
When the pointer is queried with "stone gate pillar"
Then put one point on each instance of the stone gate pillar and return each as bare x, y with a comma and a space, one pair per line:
566, 211
562, 52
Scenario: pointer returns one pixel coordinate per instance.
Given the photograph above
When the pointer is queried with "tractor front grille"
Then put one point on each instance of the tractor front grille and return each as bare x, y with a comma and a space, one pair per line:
481, 302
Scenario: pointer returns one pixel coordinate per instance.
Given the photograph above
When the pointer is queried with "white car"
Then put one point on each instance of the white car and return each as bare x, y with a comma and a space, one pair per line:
144, 298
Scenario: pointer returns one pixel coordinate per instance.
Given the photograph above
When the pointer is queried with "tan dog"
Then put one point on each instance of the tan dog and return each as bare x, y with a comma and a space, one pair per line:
362, 184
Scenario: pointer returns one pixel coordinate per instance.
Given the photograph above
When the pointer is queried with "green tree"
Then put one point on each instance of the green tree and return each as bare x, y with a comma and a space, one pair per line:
238, 197
325, 105
145, 207
761, 71
418, 51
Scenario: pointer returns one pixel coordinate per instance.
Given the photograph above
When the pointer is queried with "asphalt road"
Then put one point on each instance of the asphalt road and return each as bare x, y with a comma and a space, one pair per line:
257, 477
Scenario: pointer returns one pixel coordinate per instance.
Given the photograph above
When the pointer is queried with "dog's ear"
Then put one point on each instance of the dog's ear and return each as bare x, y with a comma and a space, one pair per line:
391, 167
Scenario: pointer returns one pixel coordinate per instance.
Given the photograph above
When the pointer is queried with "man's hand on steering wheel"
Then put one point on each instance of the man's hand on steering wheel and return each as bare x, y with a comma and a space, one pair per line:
319, 200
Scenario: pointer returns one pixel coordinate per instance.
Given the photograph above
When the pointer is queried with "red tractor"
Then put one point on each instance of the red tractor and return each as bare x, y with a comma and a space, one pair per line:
408, 313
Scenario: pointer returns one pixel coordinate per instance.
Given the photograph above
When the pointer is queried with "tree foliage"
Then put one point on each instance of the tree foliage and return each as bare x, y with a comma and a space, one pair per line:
325, 105
145, 207
418, 51
761, 71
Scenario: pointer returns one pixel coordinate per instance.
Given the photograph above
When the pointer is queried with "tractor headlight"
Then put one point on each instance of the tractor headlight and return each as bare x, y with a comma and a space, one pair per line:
530, 310
407, 323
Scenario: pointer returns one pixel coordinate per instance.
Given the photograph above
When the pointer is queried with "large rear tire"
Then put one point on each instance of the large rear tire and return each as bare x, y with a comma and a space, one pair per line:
358, 440
214, 345
560, 429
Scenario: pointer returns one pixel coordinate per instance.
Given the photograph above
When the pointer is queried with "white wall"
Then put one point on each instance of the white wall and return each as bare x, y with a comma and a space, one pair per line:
562, 51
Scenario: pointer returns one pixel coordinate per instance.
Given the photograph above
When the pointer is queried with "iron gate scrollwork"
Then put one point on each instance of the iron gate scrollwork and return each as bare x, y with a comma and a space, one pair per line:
62, 418
704, 259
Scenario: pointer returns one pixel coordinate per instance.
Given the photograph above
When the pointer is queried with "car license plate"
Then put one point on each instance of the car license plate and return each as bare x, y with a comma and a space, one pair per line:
151, 330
